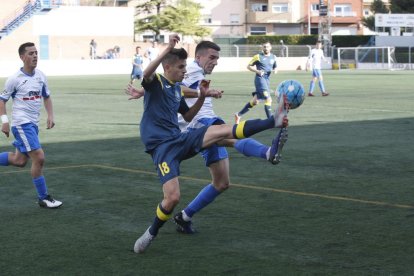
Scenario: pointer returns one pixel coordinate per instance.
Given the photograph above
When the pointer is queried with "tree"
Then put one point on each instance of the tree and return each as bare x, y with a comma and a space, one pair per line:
376, 7
152, 22
181, 19
402, 6
184, 19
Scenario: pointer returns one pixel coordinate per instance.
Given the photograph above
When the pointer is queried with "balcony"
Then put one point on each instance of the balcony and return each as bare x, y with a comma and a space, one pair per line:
344, 14
269, 17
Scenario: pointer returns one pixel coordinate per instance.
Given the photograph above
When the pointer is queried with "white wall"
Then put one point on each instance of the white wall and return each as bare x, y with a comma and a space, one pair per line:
85, 21
123, 66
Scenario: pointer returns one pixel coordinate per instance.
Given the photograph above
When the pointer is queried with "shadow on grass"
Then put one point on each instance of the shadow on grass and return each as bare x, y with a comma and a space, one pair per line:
244, 232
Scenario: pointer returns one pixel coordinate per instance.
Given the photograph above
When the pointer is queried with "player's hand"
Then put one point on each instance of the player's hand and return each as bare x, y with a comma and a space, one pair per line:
5, 128
50, 123
261, 73
204, 87
214, 93
133, 92
174, 39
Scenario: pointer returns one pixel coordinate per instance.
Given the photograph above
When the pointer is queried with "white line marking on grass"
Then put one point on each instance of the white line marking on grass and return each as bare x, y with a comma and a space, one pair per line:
271, 189
260, 188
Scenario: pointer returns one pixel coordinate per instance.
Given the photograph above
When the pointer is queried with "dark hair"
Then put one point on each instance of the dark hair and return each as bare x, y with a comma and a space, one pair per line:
174, 55
138, 47
205, 45
22, 48
319, 41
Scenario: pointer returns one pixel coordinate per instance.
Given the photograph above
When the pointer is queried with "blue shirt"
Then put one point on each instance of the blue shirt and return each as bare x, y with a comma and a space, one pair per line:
138, 60
264, 63
163, 99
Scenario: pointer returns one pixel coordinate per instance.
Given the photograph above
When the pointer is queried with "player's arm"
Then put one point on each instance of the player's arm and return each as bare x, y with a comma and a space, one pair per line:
190, 113
149, 72
195, 93
5, 126
275, 65
134, 93
252, 66
308, 63
50, 123
323, 57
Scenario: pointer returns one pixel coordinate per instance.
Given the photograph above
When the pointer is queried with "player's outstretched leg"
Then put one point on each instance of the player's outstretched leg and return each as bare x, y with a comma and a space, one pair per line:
281, 110
143, 242
278, 142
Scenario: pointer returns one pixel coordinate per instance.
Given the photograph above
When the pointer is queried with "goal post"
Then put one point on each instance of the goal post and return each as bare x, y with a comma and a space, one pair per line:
366, 58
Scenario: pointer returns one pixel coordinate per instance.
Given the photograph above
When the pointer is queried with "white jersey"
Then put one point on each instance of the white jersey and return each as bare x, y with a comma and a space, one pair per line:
316, 56
26, 92
152, 53
193, 77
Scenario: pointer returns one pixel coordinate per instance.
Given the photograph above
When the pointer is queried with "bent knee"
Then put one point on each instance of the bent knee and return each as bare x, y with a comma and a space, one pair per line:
20, 163
222, 186
172, 200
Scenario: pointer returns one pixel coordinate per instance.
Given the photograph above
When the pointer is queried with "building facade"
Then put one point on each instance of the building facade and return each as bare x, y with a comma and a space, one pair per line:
241, 18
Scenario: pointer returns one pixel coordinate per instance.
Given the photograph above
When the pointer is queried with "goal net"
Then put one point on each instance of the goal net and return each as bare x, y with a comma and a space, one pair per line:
367, 58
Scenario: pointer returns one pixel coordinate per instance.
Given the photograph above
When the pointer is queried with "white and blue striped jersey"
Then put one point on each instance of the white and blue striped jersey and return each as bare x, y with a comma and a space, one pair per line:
26, 92
193, 77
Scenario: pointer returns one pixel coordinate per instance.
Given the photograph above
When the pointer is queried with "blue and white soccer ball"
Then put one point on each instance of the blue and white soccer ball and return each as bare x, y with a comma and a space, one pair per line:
294, 91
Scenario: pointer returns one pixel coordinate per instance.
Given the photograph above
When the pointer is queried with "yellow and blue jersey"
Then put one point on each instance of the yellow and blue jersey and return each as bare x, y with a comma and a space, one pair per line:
163, 99
264, 63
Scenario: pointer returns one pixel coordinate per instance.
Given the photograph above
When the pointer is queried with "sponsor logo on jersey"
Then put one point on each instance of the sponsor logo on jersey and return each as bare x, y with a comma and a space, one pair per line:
33, 95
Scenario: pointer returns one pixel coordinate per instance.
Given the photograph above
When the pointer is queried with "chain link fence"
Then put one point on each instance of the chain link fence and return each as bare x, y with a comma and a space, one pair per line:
251, 50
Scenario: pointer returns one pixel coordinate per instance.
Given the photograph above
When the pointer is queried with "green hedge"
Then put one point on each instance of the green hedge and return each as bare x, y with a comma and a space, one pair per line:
337, 40
287, 39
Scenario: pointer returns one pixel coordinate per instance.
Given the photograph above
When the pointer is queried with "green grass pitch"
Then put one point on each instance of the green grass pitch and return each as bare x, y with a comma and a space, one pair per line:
341, 202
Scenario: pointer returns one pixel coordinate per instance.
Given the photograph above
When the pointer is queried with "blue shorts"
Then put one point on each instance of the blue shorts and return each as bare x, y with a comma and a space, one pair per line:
316, 73
168, 155
136, 74
27, 138
213, 153
262, 87
261, 95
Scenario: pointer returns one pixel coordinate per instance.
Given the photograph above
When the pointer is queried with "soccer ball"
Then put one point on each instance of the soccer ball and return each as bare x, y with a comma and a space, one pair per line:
294, 91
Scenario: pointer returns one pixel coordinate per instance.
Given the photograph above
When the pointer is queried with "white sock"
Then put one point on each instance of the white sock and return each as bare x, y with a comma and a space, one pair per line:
185, 217
268, 154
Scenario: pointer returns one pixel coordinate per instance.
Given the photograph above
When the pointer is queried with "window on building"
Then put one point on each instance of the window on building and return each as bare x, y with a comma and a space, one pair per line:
343, 10
367, 12
206, 18
259, 7
315, 7
280, 8
234, 18
258, 30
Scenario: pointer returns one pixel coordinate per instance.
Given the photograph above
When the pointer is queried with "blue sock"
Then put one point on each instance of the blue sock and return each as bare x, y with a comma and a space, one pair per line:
312, 86
205, 197
322, 86
268, 110
4, 159
40, 185
245, 108
159, 220
250, 147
